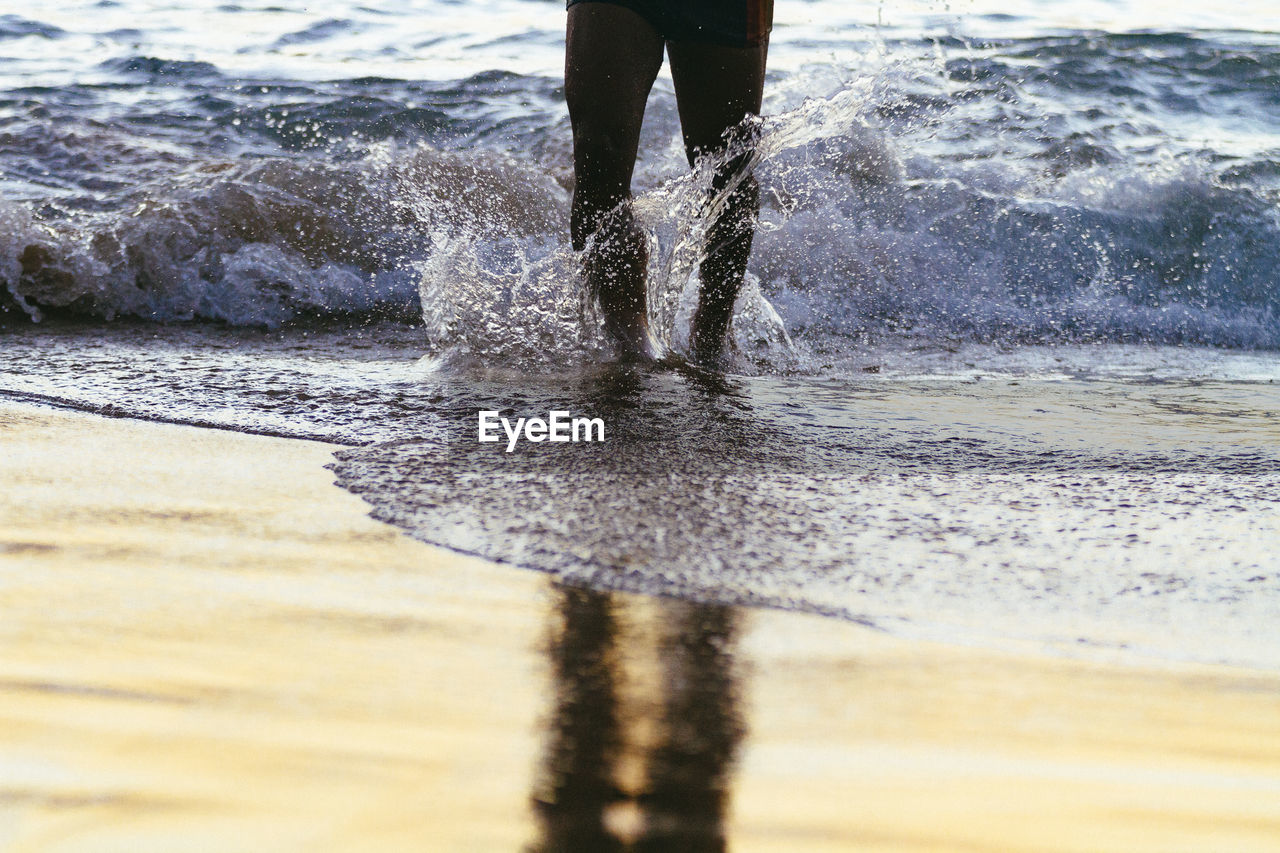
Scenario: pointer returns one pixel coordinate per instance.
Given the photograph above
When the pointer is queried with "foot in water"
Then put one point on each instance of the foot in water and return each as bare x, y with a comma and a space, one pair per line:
626, 319
616, 260
708, 338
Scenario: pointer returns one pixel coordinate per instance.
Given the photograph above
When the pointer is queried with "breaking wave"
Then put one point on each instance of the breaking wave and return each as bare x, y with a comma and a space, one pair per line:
967, 192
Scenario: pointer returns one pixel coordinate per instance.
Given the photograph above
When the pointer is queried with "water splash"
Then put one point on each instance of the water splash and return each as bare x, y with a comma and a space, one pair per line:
491, 297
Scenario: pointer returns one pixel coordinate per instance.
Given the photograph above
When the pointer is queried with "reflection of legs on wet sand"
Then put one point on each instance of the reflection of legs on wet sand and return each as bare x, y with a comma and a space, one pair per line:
582, 745
685, 793
689, 771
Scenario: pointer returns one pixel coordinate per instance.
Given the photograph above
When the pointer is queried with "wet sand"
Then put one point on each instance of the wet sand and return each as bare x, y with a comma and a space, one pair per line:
205, 645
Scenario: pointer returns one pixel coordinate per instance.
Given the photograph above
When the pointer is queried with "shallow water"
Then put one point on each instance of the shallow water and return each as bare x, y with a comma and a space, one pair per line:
1005, 368
1117, 516
978, 495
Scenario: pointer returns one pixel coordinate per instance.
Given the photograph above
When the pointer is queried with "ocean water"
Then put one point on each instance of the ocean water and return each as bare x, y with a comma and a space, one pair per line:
1005, 369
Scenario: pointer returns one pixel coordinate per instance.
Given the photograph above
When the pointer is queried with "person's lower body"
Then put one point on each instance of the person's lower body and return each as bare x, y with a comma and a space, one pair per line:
614, 50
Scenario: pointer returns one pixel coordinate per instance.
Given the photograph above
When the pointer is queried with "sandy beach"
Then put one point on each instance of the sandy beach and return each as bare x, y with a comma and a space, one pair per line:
206, 645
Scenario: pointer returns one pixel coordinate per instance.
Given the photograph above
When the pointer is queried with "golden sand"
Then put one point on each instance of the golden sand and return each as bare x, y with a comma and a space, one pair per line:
205, 645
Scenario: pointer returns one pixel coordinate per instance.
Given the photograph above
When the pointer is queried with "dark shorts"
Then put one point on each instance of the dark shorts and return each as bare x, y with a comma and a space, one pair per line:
731, 23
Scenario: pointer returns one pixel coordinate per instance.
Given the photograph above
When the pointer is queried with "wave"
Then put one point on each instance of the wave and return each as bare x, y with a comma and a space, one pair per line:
152, 69
263, 242
945, 199
16, 27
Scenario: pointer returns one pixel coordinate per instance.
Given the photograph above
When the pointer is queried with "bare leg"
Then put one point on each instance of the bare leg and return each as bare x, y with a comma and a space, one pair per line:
716, 88
612, 56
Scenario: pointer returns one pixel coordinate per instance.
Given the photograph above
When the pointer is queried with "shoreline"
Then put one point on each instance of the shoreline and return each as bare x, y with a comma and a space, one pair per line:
205, 644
